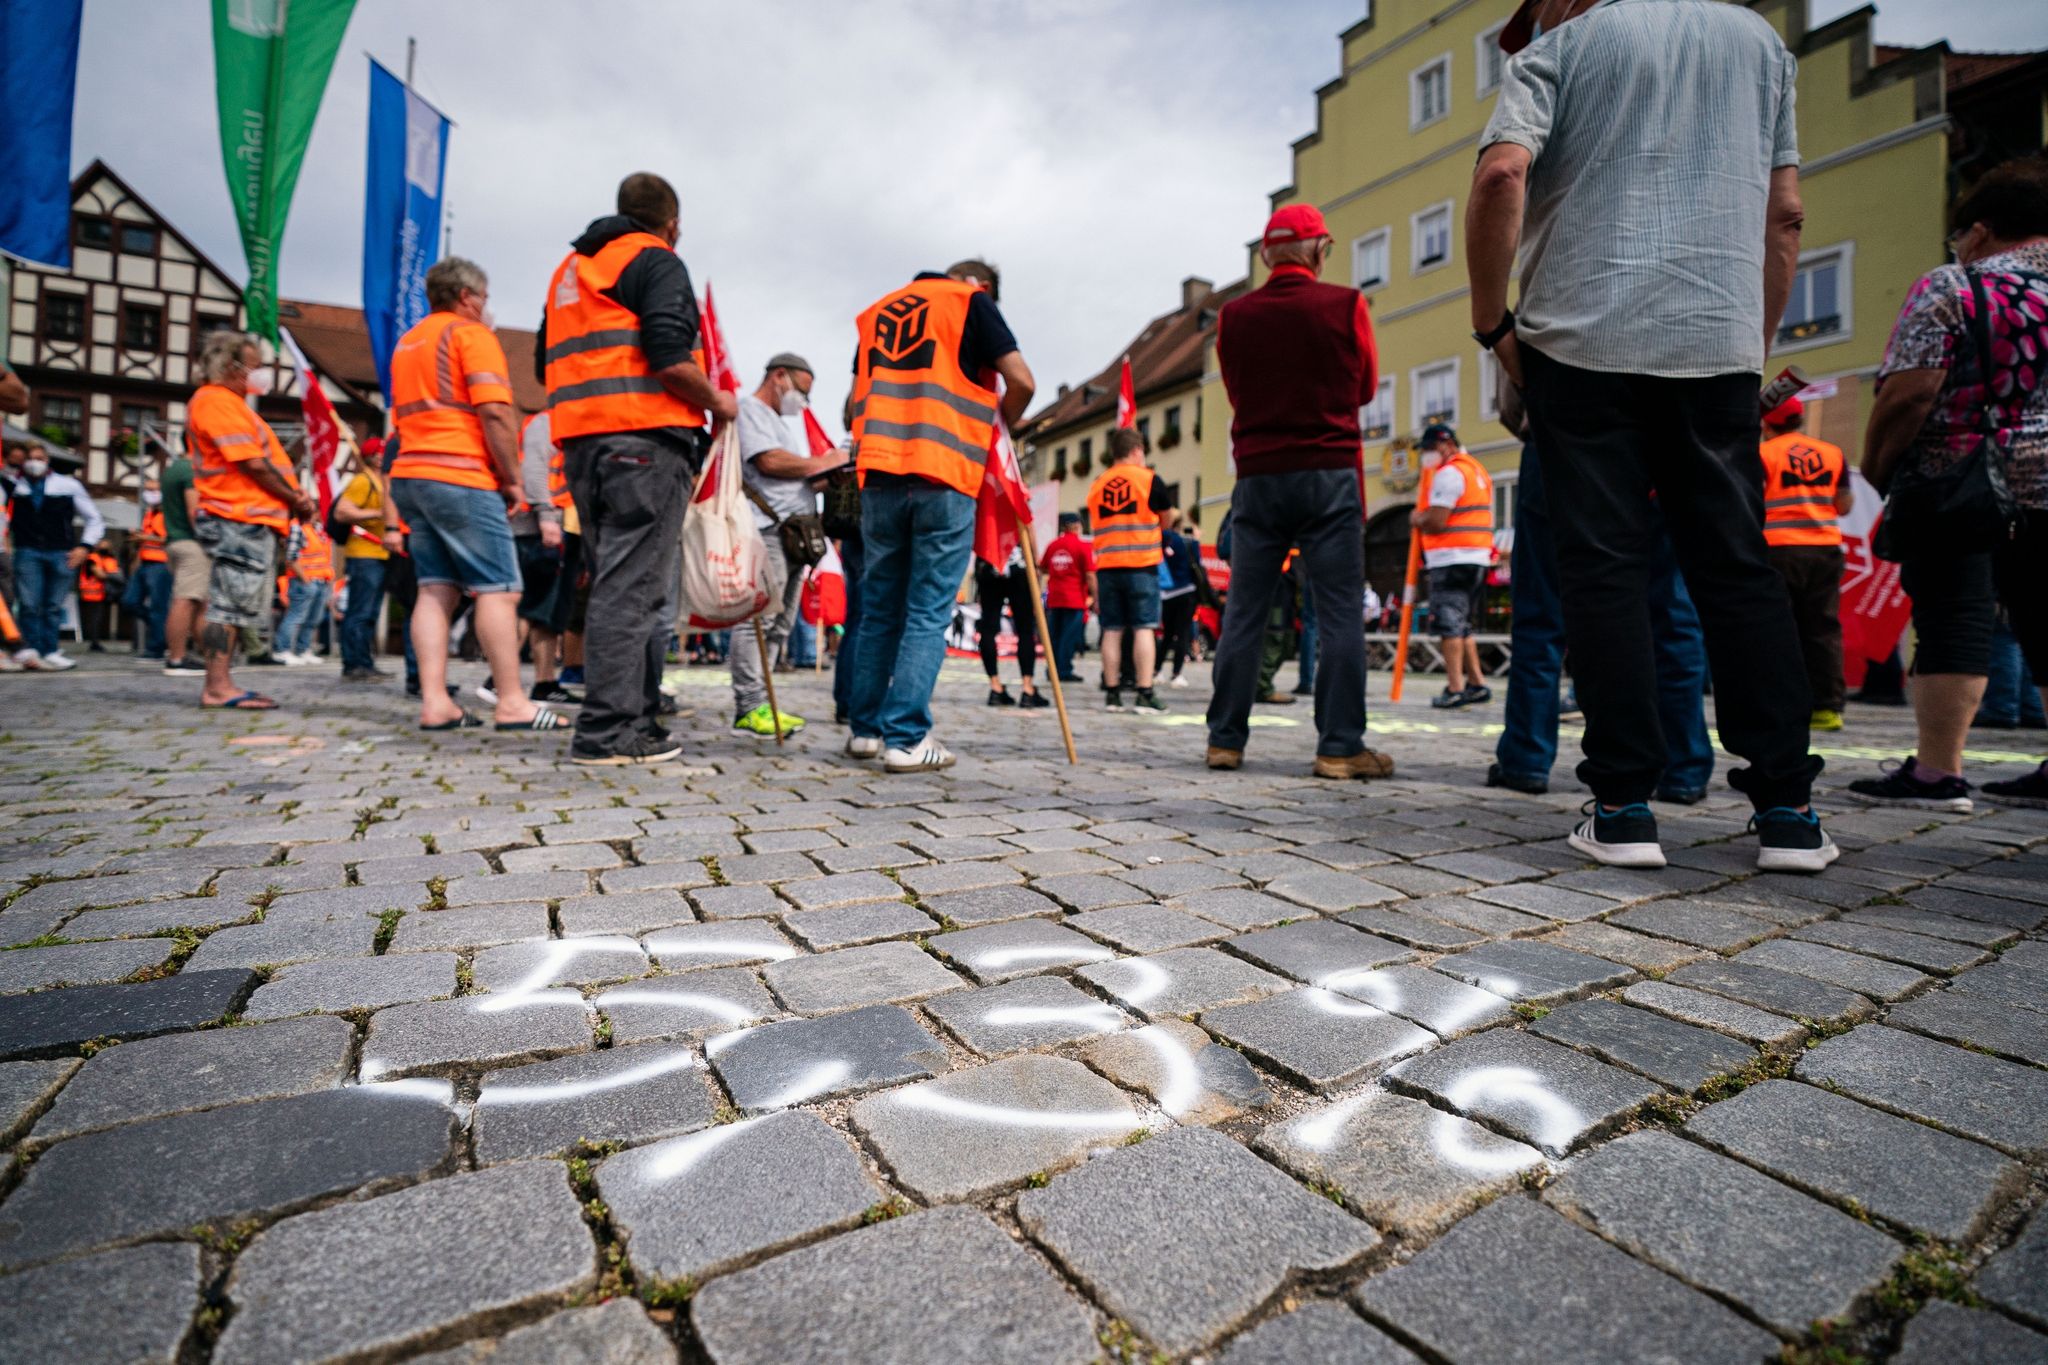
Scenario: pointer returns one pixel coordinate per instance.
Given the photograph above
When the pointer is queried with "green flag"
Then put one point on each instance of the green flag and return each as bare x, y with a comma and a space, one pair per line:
271, 59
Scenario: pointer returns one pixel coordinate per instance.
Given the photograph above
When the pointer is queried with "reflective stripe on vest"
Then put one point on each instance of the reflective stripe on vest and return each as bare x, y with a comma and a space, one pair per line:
1470, 526
914, 410
151, 538
1126, 528
1802, 477
598, 378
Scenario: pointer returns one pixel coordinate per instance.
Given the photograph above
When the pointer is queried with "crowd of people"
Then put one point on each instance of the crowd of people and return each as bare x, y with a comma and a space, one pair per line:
1668, 530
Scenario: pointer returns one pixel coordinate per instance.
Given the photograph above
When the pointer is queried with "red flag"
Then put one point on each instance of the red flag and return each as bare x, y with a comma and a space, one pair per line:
815, 434
1126, 399
717, 359
1003, 505
1875, 609
323, 437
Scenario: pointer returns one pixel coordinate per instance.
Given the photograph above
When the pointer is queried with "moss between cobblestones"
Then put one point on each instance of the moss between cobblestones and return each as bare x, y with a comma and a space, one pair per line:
52, 940
387, 926
1932, 1270
1122, 1346
894, 1207
1821, 1349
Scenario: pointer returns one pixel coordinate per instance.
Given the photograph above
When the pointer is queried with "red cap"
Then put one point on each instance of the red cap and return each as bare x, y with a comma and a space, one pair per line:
1786, 412
373, 446
1295, 223
1520, 30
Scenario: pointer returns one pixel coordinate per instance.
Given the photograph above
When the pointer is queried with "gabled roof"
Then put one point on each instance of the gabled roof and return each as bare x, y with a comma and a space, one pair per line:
1165, 355
1963, 71
100, 169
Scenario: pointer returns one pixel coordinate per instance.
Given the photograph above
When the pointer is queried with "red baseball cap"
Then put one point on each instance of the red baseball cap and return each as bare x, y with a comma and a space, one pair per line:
1295, 223
1787, 411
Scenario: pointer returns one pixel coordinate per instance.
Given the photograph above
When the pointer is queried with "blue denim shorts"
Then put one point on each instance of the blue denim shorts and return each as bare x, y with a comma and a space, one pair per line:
457, 535
1128, 599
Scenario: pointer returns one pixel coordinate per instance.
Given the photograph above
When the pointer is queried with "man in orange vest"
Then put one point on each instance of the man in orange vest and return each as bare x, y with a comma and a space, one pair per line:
456, 474
248, 499
1127, 508
1806, 493
923, 413
149, 583
1456, 522
628, 401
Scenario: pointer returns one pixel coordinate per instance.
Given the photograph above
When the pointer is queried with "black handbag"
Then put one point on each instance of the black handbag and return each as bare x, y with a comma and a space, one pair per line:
1968, 505
842, 504
801, 534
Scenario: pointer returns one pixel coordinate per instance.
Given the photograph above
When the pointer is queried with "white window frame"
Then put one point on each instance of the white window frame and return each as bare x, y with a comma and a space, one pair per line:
1844, 255
1385, 238
1416, 119
1484, 48
1415, 265
1489, 386
1384, 392
1421, 413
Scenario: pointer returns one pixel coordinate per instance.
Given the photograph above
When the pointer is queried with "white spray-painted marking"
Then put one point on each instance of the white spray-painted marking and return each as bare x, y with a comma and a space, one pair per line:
411, 1088
1152, 979
555, 1091
1331, 1003
1385, 991
560, 953
1319, 1132
678, 1155
1103, 1018
728, 949
730, 1011
814, 1082
999, 958
1557, 1121
1182, 1085
1010, 1116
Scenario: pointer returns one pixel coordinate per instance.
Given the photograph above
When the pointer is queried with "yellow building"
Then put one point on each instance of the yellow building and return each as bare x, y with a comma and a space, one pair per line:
1390, 164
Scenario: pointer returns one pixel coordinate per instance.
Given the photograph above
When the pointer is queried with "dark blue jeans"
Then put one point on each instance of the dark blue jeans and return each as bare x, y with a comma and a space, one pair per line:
42, 579
1069, 627
149, 598
365, 610
2010, 695
918, 536
852, 560
1528, 746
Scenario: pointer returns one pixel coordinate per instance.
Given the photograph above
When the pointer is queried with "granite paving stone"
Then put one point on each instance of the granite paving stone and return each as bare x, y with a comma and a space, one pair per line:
88, 893
1903, 1172
1517, 1279
1947, 900
1446, 1007
941, 879
531, 886
1737, 1020
2016, 1278
1317, 1334
355, 983
1318, 1038
718, 944
1780, 992
1025, 1015
800, 1061
883, 973
477, 926
685, 876
26, 1089
1417, 931
622, 1094
1698, 923
48, 1022
1146, 928
1240, 908
1976, 1022
1602, 939
559, 857
518, 968
990, 905
1539, 1092
61, 1312
1087, 892
974, 1132
1318, 950
1491, 921
1000, 952
1402, 1165
1943, 1332
237, 1162
849, 926
1550, 902
1190, 1076
848, 888
1678, 1055
1852, 971
2009, 982
80, 964
473, 1031
868, 1295
1733, 1231
1914, 950
198, 913
347, 902
376, 1275
280, 943
1906, 919
631, 913
617, 1332
1987, 1098
1184, 1236
1331, 891
867, 857
1180, 981
1532, 971
695, 1004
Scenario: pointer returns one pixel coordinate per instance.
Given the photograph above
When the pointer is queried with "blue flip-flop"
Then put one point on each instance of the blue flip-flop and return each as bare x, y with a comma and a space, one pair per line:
245, 701
465, 721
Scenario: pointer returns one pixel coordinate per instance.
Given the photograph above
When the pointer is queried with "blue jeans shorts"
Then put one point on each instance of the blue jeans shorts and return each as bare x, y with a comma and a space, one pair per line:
1128, 599
457, 535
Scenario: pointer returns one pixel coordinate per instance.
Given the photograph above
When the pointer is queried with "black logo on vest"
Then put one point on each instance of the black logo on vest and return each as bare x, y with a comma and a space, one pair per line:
1806, 467
902, 339
1119, 498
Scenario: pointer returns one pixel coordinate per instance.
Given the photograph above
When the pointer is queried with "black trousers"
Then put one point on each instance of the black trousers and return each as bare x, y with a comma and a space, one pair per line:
1956, 594
1609, 443
1177, 619
631, 489
995, 591
1813, 580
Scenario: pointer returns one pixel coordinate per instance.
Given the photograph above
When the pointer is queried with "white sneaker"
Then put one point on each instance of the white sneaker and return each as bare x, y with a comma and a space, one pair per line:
8, 663
928, 756
864, 746
486, 693
28, 659
1178, 681
292, 660
56, 662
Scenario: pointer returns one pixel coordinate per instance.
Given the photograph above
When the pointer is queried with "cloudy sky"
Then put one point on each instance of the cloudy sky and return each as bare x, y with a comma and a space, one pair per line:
1097, 150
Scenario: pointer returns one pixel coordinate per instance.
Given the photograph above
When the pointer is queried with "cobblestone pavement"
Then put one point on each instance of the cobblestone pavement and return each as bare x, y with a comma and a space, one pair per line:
327, 1039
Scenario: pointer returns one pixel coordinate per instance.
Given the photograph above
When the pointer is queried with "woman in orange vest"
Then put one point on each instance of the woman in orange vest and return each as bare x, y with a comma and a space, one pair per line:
1125, 508
1456, 525
1806, 492
99, 569
308, 596
148, 596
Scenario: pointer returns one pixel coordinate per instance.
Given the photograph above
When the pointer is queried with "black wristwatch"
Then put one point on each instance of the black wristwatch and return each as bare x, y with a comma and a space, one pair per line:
1492, 339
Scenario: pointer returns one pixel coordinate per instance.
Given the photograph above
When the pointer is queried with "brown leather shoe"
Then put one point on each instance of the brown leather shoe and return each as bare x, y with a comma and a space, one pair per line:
1276, 699
1365, 764
1225, 759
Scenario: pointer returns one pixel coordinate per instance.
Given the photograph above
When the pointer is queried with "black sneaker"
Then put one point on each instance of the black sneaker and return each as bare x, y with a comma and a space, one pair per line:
1791, 841
1448, 700
1000, 696
1900, 787
1148, 704
1621, 838
632, 749
553, 691
1478, 694
1033, 701
667, 706
1113, 700
1497, 776
179, 667
263, 660
2030, 791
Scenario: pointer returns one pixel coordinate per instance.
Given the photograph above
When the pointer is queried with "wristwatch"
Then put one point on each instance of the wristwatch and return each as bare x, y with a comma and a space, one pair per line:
1492, 339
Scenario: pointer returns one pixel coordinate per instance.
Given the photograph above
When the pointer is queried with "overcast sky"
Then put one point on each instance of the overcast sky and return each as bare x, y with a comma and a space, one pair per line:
1097, 150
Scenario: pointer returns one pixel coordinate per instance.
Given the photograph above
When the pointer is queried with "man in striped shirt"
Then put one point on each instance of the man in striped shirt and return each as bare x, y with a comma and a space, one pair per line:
1644, 156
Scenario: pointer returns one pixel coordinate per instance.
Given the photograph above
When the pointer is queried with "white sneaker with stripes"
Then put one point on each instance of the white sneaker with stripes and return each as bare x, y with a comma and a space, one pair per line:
929, 756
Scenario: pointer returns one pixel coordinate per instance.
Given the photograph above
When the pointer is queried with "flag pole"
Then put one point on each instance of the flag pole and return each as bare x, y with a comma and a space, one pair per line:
768, 677
1407, 611
1052, 671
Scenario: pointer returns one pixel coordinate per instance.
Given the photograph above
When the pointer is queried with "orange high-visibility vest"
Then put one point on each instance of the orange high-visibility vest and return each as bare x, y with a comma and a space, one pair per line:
1126, 528
222, 435
1802, 477
92, 586
914, 410
598, 377
1471, 523
442, 371
150, 538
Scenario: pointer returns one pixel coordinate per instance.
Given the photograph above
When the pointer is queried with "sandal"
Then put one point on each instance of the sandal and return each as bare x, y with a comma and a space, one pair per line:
465, 721
543, 719
245, 701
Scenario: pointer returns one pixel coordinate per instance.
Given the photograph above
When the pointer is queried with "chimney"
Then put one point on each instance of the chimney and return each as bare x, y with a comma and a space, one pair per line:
1193, 290
1066, 389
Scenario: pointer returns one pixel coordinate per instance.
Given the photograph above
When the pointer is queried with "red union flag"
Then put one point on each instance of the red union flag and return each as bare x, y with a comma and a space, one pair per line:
814, 433
1875, 609
717, 359
323, 426
1126, 399
1003, 504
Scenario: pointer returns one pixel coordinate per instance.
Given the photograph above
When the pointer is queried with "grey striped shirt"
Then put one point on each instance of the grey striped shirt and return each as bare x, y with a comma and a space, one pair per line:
1655, 125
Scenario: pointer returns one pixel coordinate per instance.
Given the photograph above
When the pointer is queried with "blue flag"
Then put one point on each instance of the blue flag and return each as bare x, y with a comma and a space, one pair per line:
38, 74
401, 213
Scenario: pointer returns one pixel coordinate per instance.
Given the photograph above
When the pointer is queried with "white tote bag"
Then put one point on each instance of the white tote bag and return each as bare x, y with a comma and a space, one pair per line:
725, 566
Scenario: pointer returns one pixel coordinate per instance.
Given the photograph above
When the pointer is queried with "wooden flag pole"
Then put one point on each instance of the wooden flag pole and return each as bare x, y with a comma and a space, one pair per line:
768, 677
1407, 612
1052, 668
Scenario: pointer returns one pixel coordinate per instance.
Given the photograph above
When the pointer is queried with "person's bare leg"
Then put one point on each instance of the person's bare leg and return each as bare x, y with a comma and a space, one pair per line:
219, 644
1454, 663
1144, 652
179, 626
544, 644
497, 631
430, 618
1944, 704
1112, 659
1474, 676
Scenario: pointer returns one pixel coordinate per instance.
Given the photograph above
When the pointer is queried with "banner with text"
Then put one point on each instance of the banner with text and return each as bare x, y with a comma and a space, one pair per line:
401, 213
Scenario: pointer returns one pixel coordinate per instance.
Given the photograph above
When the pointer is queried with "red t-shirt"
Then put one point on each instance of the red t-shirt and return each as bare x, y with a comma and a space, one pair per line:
1066, 564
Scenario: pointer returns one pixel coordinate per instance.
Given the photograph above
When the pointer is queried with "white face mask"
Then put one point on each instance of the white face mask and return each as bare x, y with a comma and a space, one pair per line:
794, 403
35, 469
488, 319
151, 499
262, 380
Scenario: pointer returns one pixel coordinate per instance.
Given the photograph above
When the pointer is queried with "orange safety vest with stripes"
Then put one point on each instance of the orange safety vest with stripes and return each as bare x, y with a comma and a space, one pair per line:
1471, 522
442, 371
1802, 477
598, 377
92, 576
915, 411
150, 539
1125, 526
222, 434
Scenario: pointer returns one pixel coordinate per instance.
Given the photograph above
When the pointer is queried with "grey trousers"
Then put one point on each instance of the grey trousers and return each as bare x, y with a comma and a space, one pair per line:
631, 489
749, 686
1319, 512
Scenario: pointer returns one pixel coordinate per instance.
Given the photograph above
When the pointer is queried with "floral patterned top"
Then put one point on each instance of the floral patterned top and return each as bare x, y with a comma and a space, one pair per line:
1933, 333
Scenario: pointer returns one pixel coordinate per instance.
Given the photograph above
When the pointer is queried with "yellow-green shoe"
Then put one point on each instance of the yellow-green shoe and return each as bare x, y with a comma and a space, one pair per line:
1826, 720
761, 721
